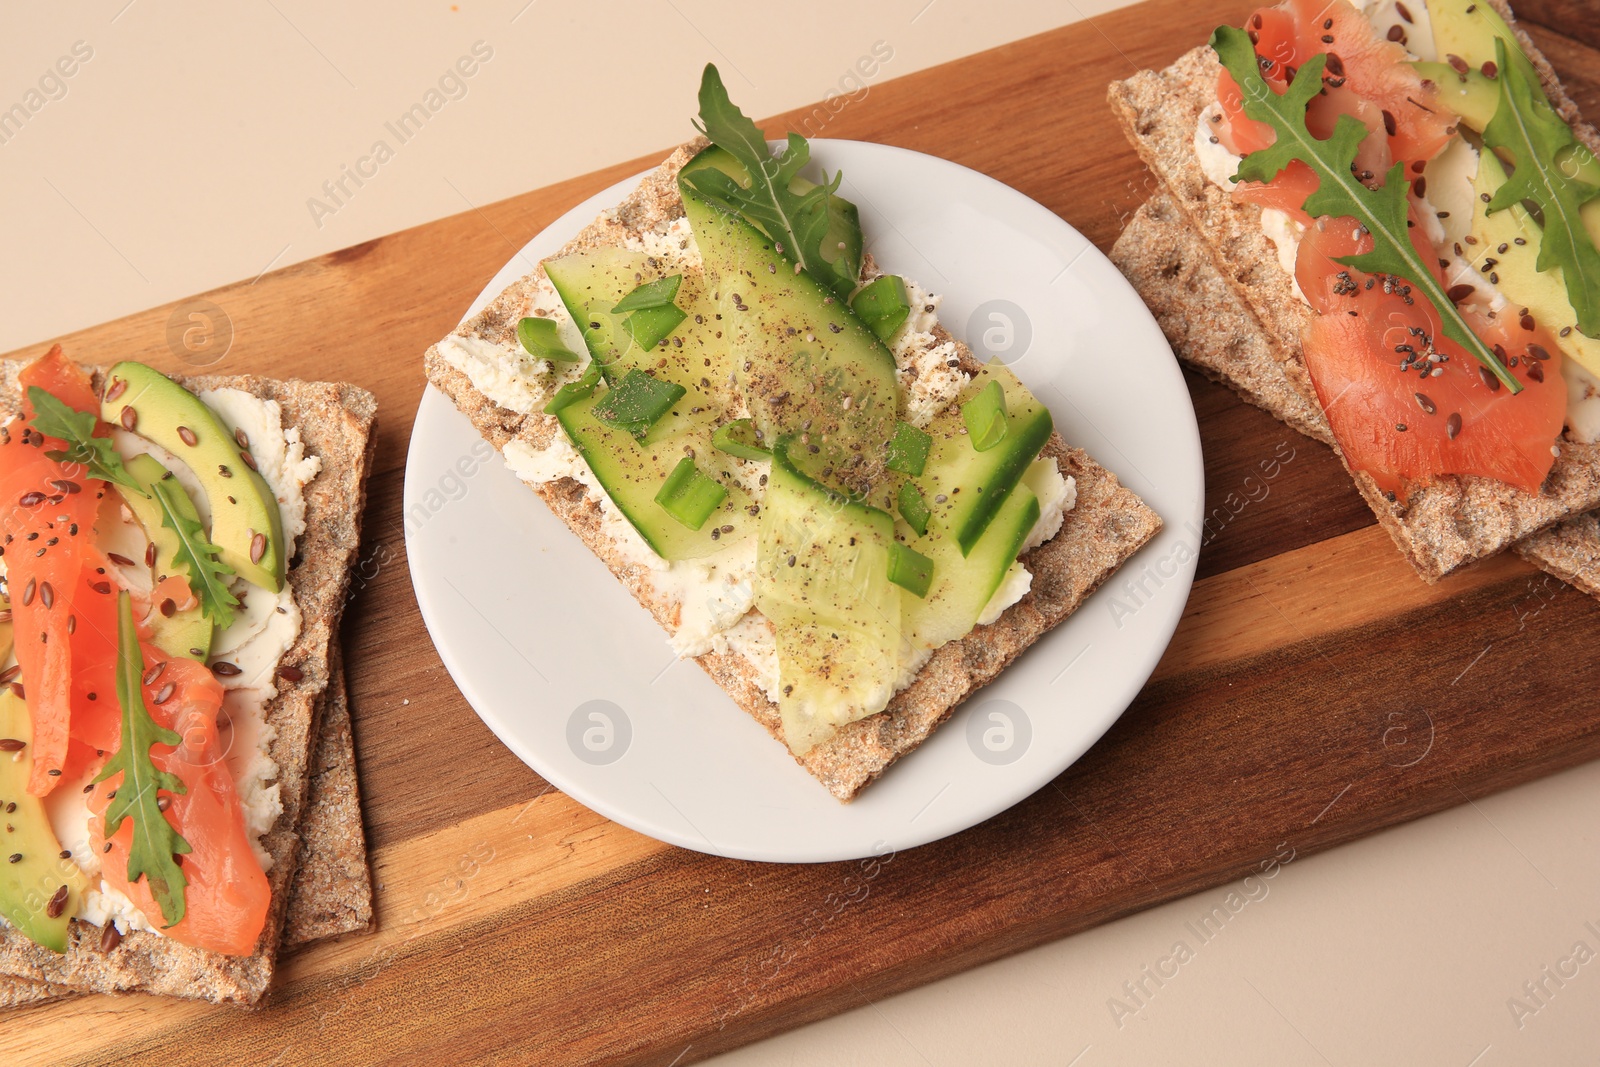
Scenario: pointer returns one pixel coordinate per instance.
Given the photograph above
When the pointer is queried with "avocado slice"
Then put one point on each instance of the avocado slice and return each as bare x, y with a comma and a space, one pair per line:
1510, 238
808, 366
39, 888
186, 633
1467, 29
822, 580
243, 507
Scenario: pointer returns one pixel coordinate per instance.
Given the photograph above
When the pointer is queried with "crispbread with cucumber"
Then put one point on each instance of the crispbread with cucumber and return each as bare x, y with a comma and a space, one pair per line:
825, 499
1401, 199
177, 555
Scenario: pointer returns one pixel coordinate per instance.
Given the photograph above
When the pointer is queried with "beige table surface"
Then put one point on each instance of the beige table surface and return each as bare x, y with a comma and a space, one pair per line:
190, 147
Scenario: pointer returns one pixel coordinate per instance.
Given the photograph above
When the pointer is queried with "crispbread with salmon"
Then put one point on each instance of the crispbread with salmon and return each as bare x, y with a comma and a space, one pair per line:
336, 423
1202, 261
331, 893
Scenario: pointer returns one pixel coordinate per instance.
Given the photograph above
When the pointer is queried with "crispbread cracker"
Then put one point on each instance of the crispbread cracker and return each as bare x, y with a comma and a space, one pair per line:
332, 890
1216, 334
335, 422
1107, 525
1237, 317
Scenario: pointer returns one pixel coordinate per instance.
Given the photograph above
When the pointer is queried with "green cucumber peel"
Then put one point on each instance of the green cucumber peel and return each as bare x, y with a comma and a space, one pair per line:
654, 294
796, 222
637, 401
542, 338
985, 416
740, 438
155, 843
690, 495
1526, 128
650, 326
883, 305
97, 455
908, 449
1382, 212
580, 389
910, 569
914, 508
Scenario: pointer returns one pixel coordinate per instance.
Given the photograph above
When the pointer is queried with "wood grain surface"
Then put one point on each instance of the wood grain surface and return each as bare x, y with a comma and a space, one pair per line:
1315, 691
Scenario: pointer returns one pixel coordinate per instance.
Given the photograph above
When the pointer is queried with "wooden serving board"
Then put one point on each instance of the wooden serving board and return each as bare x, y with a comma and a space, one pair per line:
1316, 691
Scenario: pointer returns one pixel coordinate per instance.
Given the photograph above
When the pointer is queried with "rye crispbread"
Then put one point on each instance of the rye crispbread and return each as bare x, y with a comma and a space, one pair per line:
336, 423
1236, 316
331, 893
1108, 524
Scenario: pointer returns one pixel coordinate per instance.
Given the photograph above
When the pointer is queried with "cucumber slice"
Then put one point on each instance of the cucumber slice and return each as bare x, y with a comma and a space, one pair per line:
634, 472
966, 487
815, 370
962, 583
595, 283
822, 579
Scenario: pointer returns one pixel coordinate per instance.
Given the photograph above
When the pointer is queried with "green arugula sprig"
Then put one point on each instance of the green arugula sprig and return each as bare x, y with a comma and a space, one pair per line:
797, 222
207, 573
53, 418
155, 842
1381, 211
1529, 130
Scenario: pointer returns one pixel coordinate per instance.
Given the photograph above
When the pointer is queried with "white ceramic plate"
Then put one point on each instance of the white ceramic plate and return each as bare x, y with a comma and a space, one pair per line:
578, 680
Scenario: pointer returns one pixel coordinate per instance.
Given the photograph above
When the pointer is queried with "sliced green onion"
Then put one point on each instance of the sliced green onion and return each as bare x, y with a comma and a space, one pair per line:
690, 496
540, 337
883, 305
740, 438
985, 416
574, 391
658, 293
650, 326
908, 451
637, 401
914, 509
910, 569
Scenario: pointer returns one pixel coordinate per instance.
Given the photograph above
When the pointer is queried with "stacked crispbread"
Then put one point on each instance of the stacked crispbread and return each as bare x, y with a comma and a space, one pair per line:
320, 826
1212, 278
1107, 525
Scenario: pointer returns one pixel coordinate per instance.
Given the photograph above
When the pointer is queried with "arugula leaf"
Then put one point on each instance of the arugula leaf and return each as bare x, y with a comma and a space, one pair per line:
155, 842
1529, 130
796, 222
1381, 211
53, 418
198, 555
